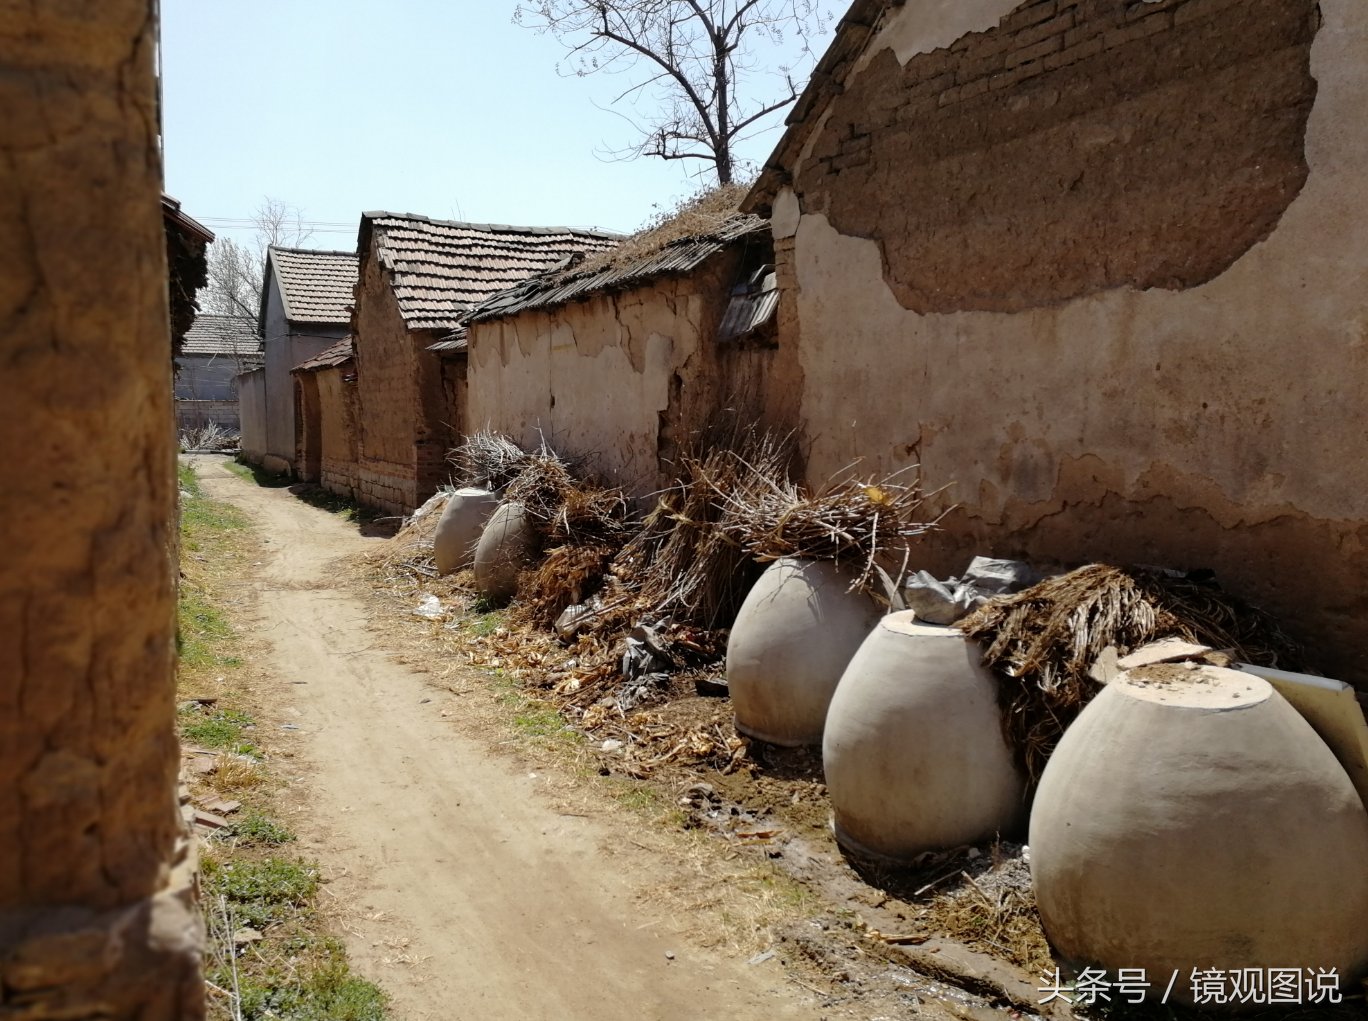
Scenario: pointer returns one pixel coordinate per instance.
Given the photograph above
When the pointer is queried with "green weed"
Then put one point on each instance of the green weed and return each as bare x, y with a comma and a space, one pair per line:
257, 828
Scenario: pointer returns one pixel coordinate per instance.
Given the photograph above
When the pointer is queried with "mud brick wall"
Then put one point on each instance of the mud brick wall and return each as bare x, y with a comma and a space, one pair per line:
337, 402
1077, 146
389, 398
1098, 265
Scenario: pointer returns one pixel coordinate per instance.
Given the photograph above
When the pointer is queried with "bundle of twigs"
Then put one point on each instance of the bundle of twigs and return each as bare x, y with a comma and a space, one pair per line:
488, 460
1042, 642
683, 562
858, 523
541, 486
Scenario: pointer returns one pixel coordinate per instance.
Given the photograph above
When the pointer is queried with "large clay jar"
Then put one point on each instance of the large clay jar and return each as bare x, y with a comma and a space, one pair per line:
1190, 818
914, 754
792, 639
459, 528
506, 548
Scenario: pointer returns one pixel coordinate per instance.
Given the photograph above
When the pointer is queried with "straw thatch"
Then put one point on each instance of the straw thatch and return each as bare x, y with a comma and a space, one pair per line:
567, 576
1042, 642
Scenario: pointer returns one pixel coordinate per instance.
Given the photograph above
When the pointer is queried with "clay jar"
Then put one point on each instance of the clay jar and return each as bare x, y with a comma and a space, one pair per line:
914, 754
1190, 818
506, 548
459, 528
792, 638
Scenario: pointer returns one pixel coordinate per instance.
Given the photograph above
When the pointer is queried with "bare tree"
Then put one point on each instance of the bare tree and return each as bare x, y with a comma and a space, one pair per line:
697, 61
237, 269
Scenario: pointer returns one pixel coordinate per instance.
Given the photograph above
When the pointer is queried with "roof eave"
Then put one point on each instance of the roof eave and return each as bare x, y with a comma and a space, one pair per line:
853, 34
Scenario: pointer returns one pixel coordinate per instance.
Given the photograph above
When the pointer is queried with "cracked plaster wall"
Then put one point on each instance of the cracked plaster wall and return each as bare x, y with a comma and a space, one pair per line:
1213, 425
624, 378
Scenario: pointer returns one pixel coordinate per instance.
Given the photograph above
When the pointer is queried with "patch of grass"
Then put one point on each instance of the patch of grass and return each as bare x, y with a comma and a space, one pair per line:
344, 508
261, 892
188, 480
256, 828
313, 984
259, 475
486, 621
215, 728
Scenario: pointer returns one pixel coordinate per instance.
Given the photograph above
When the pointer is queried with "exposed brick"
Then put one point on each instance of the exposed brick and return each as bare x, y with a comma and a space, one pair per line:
1142, 29
1057, 25
1073, 54
1196, 10
1029, 15
1040, 50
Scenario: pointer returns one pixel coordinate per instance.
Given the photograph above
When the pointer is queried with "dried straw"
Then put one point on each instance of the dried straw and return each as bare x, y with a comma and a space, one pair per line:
858, 523
1042, 642
488, 460
567, 576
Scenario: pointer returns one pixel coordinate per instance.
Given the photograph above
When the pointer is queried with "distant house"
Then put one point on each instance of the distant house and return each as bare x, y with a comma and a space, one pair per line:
306, 301
329, 436
631, 356
418, 277
214, 352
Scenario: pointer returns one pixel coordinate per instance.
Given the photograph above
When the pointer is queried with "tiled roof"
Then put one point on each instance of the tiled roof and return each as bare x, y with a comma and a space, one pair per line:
222, 335
316, 286
561, 287
441, 268
330, 357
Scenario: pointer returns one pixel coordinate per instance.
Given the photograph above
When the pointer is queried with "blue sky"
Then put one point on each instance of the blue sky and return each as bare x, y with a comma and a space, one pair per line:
439, 107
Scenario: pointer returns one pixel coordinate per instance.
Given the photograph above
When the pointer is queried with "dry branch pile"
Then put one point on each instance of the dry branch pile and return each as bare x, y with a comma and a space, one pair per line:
852, 522
1042, 642
487, 460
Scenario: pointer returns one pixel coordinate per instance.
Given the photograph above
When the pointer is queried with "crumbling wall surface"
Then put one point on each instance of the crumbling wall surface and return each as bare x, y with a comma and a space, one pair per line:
1205, 415
1079, 145
626, 379
337, 400
96, 891
387, 376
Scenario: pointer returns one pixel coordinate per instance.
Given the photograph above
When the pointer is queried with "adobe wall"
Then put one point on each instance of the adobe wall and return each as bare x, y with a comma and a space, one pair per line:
337, 401
624, 379
386, 474
1102, 265
196, 414
308, 427
97, 885
252, 415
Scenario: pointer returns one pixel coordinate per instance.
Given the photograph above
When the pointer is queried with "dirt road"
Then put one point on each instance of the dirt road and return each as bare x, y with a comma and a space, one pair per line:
466, 894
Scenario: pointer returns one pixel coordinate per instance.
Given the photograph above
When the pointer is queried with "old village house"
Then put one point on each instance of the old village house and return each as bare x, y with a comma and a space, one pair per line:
417, 279
629, 356
306, 300
1089, 262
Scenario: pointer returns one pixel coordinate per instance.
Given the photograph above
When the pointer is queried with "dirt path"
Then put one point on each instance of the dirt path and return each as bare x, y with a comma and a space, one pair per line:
466, 893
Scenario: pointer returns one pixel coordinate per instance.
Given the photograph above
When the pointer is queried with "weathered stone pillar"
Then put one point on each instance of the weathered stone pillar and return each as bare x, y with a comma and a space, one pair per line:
97, 914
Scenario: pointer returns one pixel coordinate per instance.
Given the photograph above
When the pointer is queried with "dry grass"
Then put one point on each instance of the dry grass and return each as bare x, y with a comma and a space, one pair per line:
1042, 642
410, 549
992, 909
700, 215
